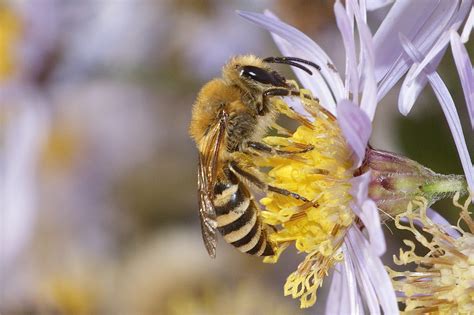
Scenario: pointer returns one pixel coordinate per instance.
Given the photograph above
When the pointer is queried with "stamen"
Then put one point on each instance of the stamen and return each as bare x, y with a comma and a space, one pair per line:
443, 281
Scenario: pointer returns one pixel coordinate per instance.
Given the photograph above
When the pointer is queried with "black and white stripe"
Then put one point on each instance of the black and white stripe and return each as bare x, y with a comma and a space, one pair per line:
238, 219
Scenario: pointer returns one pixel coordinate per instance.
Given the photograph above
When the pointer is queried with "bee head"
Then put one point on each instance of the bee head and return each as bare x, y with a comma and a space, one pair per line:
252, 73
255, 74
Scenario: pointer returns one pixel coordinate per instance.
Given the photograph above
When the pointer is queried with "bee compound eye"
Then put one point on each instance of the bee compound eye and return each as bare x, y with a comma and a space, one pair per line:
261, 75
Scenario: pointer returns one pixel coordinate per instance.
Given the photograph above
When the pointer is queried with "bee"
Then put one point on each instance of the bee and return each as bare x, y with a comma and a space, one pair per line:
230, 116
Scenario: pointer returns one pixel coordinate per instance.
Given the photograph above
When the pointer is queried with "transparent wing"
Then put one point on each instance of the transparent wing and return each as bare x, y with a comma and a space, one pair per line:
207, 173
207, 214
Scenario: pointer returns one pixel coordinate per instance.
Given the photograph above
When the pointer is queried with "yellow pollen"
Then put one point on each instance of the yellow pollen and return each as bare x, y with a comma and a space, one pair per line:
443, 282
321, 175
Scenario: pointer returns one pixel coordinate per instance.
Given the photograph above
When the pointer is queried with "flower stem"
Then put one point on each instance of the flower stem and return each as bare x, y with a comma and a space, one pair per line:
446, 185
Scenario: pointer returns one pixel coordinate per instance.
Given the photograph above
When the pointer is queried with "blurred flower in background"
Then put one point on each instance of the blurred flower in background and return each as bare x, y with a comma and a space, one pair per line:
98, 209
25, 47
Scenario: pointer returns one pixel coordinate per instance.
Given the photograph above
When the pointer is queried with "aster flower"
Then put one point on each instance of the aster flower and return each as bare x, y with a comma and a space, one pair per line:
442, 282
331, 234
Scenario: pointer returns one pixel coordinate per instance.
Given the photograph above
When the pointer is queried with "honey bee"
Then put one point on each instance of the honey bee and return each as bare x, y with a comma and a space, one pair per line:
230, 116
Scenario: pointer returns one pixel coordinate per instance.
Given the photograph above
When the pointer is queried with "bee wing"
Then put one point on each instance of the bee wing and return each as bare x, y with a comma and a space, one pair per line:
207, 213
206, 180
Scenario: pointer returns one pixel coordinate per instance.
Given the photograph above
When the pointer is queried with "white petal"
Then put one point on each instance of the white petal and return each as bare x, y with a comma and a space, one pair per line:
444, 224
414, 83
397, 70
369, 93
338, 301
360, 187
439, 47
352, 76
363, 10
23, 137
363, 281
410, 90
295, 103
377, 4
439, 220
449, 109
464, 67
466, 32
324, 83
373, 275
367, 211
421, 21
351, 293
315, 83
356, 128
371, 219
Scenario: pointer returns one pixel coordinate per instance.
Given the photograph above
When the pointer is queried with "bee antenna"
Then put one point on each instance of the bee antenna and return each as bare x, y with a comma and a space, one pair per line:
292, 61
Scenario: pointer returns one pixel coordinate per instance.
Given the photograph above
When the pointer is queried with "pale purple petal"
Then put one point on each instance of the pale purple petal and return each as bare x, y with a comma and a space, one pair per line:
302, 46
375, 276
339, 301
352, 76
351, 293
444, 224
439, 220
409, 91
363, 10
314, 83
449, 109
377, 4
294, 102
363, 281
367, 211
437, 51
23, 137
464, 67
413, 85
360, 187
405, 18
369, 93
371, 219
466, 32
356, 127
422, 21
433, 56
397, 70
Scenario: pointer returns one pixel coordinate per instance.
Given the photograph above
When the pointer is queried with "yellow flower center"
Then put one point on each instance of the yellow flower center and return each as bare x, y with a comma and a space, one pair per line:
321, 175
443, 282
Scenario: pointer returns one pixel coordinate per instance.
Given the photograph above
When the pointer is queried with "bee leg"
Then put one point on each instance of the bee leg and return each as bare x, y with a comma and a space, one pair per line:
257, 182
286, 92
264, 148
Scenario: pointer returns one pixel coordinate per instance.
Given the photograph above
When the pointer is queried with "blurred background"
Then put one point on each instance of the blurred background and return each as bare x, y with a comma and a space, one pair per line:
98, 209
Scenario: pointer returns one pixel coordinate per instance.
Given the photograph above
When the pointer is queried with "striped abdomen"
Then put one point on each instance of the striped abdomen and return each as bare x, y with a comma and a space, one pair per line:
238, 219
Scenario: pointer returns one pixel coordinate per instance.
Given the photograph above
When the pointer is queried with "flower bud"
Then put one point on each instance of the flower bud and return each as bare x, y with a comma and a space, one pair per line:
397, 180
